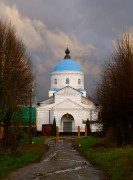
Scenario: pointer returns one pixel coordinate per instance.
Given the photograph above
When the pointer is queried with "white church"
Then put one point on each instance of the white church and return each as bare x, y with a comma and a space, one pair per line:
67, 101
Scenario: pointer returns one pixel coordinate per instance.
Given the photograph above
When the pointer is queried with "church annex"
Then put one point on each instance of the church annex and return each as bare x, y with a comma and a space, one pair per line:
67, 101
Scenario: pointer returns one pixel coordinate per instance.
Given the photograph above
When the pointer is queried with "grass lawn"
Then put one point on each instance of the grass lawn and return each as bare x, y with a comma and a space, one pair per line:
27, 154
115, 161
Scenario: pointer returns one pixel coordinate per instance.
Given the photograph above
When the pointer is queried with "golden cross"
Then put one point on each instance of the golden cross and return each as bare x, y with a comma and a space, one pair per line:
67, 42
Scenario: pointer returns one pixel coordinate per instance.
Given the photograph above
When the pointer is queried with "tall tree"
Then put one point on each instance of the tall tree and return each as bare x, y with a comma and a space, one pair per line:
115, 90
15, 74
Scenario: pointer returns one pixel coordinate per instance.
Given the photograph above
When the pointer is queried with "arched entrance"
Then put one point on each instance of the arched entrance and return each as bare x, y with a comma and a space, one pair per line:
67, 121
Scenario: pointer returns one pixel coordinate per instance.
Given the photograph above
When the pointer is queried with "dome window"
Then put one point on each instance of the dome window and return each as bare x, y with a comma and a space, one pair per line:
79, 81
67, 81
55, 81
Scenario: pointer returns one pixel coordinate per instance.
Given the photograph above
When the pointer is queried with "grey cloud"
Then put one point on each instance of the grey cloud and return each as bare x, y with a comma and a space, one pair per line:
44, 44
91, 25
106, 17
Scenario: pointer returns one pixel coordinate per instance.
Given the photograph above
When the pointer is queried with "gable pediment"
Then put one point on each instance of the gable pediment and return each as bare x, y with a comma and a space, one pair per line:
67, 90
67, 104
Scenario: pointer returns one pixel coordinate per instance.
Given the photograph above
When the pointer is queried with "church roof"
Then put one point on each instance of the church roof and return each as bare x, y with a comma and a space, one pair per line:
67, 64
67, 89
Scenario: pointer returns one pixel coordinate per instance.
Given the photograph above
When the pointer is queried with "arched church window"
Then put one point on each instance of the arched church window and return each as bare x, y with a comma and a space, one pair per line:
55, 81
79, 81
67, 80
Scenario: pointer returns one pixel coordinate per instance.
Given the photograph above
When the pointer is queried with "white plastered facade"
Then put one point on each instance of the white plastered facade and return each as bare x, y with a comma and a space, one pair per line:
66, 101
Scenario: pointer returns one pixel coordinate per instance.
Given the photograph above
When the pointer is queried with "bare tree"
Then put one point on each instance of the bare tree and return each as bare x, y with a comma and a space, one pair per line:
15, 75
115, 90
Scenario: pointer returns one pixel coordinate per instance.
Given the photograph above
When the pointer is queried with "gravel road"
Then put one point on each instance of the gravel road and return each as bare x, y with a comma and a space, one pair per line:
62, 162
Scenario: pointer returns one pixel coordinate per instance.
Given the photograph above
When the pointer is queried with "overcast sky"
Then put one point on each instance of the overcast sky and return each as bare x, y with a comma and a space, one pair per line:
91, 26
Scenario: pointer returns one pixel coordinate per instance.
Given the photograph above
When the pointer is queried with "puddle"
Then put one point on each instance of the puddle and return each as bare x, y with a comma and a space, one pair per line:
66, 170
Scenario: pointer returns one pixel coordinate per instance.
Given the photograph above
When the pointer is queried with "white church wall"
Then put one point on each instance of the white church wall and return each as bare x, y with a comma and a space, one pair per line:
60, 98
61, 77
77, 115
42, 118
85, 114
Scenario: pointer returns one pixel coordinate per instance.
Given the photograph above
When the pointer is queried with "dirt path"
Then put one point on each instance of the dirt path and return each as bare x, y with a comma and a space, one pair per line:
61, 163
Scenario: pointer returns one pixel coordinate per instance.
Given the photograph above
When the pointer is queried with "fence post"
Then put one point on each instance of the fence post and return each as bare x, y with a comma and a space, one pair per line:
85, 131
78, 131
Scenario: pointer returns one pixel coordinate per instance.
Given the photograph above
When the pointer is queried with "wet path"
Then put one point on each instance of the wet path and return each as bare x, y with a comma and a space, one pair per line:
61, 162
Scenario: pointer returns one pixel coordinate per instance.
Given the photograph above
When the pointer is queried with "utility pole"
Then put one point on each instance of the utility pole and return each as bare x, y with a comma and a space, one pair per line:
30, 119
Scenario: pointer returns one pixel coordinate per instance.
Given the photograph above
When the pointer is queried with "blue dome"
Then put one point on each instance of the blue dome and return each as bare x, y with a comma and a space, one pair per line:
67, 65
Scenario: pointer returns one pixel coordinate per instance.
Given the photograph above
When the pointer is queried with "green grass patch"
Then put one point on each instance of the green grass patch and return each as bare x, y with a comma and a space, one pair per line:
26, 154
115, 161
